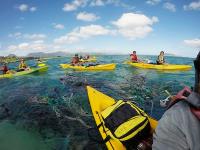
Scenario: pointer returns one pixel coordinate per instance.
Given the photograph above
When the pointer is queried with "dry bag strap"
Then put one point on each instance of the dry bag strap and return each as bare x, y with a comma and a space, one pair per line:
101, 124
107, 139
95, 138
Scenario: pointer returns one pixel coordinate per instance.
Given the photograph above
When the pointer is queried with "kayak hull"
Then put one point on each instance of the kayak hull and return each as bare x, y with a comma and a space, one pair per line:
90, 68
42, 65
99, 102
161, 67
21, 73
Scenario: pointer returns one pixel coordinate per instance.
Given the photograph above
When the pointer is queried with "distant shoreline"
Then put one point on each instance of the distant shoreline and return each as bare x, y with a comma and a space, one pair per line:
64, 54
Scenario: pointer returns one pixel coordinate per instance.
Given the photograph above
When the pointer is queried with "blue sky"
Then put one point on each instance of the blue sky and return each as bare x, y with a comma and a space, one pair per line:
108, 26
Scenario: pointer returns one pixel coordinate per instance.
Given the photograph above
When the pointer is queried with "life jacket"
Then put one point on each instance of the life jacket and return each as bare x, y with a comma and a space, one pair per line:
127, 123
5, 69
22, 66
75, 60
134, 57
182, 96
160, 59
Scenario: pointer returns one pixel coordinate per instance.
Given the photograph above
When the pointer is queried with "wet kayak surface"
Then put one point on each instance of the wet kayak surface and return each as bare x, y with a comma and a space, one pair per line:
51, 110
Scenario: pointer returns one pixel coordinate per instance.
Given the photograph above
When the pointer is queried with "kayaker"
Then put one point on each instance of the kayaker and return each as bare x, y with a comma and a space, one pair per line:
81, 57
134, 58
160, 60
179, 127
22, 66
39, 61
4, 68
75, 60
87, 56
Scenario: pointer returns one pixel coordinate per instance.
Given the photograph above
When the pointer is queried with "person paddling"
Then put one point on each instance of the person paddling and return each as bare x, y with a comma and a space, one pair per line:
22, 66
179, 127
87, 57
134, 57
39, 61
75, 60
161, 59
4, 68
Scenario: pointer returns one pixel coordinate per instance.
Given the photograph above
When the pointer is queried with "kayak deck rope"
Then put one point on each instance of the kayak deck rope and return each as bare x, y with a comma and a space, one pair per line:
107, 139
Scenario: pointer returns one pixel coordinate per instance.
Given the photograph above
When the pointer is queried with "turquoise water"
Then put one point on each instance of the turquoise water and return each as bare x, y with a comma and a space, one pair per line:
50, 111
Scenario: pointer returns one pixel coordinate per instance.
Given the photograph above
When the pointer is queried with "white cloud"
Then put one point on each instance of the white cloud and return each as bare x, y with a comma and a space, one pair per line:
34, 36
16, 35
32, 9
169, 6
195, 5
153, 2
74, 5
69, 7
93, 30
28, 47
193, 43
118, 3
84, 16
154, 19
23, 7
59, 26
133, 25
83, 32
23, 46
97, 3
105, 2
38, 42
12, 47
38, 47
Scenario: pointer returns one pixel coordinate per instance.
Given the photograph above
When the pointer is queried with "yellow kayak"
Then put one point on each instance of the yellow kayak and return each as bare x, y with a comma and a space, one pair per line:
160, 67
93, 59
89, 68
42, 65
99, 102
32, 70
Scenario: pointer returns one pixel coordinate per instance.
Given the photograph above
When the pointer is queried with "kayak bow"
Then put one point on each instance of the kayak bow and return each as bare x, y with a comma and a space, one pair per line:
98, 103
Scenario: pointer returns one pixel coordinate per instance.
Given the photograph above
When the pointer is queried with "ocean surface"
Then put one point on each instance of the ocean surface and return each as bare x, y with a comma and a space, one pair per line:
50, 110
